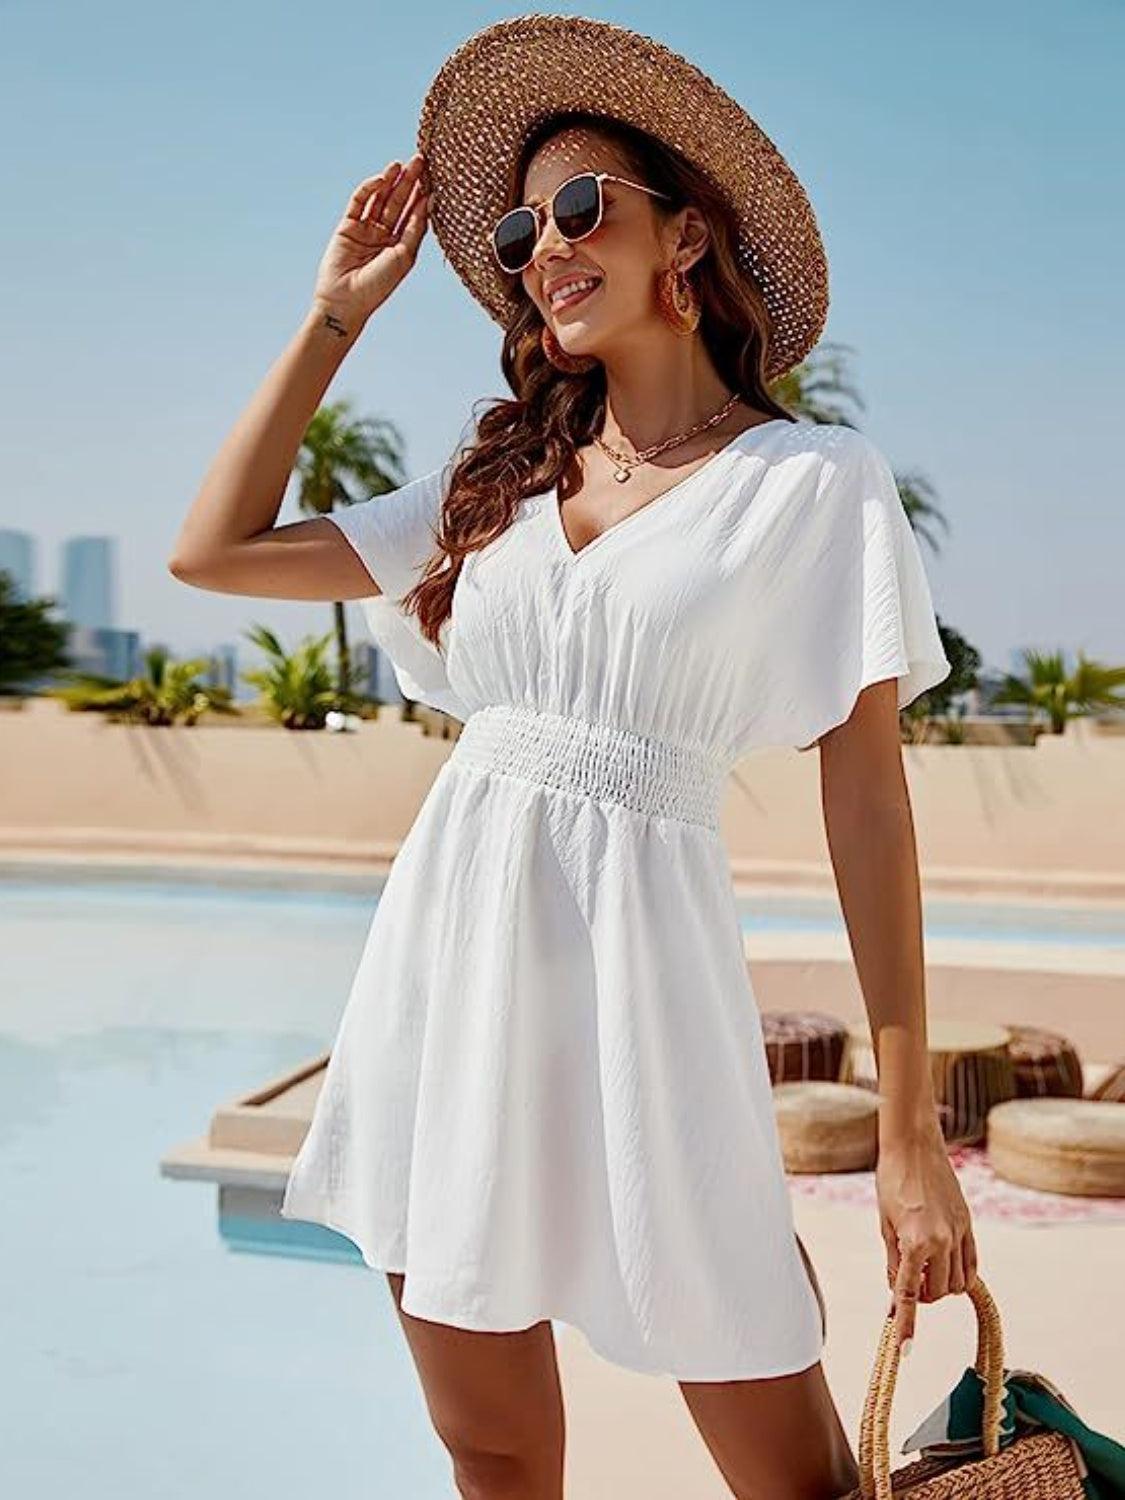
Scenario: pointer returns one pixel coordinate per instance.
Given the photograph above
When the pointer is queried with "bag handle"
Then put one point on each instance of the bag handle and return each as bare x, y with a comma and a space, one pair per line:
874, 1440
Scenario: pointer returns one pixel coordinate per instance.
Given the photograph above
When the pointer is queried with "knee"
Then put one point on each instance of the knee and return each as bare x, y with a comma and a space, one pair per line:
531, 1474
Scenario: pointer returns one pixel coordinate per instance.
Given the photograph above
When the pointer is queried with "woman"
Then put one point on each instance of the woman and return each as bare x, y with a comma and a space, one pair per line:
548, 1096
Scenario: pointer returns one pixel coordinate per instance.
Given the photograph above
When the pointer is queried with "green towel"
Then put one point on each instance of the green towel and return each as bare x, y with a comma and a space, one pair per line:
1030, 1403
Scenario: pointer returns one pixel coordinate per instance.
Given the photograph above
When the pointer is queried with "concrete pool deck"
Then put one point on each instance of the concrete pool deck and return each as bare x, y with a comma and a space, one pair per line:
631, 1435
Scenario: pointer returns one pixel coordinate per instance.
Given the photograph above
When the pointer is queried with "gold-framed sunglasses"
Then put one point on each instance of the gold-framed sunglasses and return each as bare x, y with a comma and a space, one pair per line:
576, 205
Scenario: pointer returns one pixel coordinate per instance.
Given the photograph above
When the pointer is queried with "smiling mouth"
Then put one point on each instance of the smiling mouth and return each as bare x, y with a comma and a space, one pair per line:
574, 298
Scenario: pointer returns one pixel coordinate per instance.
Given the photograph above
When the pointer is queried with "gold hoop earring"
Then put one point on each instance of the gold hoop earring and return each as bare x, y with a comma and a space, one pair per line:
678, 300
569, 364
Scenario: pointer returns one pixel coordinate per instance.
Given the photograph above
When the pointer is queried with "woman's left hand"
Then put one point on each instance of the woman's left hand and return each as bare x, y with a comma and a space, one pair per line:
926, 1226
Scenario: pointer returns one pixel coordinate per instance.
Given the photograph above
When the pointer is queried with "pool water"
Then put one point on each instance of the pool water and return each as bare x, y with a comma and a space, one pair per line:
974, 921
141, 1356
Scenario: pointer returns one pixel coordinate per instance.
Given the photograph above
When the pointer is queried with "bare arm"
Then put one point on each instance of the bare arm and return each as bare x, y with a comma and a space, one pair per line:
924, 1219
229, 541
870, 830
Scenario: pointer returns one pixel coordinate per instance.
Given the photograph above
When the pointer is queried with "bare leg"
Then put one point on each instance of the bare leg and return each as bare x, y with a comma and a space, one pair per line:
495, 1401
775, 1439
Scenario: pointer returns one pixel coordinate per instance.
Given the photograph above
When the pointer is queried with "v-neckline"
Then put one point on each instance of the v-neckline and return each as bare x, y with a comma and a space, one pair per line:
552, 497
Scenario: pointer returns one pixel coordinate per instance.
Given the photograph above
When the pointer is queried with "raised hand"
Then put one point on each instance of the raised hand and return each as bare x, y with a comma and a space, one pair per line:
375, 243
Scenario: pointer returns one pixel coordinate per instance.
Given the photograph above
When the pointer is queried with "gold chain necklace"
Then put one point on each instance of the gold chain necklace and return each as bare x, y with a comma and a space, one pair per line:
626, 463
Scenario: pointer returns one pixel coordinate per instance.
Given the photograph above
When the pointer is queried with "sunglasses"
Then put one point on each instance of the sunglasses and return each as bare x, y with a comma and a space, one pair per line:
576, 206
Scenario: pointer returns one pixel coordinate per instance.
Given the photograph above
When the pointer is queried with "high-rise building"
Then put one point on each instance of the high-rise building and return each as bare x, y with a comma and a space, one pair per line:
105, 653
223, 671
375, 676
89, 582
365, 661
17, 558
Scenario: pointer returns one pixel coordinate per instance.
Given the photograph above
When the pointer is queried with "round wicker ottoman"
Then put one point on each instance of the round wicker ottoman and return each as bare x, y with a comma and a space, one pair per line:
1046, 1063
803, 1044
1112, 1087
827, 1127
971, 1066
1074, 1146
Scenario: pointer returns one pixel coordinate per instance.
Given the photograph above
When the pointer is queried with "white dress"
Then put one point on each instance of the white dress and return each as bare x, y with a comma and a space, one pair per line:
548, 1096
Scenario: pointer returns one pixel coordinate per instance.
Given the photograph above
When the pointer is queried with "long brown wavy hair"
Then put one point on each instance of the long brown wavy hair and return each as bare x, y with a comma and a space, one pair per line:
522, 446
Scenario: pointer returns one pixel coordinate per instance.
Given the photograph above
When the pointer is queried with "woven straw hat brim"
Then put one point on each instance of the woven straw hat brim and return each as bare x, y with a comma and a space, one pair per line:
503, 80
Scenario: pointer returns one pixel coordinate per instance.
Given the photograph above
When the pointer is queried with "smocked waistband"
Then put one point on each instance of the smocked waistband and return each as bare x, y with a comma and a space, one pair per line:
652, 776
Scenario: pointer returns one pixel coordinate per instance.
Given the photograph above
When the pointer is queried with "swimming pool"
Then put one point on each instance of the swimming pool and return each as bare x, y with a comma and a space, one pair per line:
143, 1356
983, 920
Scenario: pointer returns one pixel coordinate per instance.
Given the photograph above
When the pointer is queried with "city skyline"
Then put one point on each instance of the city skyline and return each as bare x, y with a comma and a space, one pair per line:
100, 646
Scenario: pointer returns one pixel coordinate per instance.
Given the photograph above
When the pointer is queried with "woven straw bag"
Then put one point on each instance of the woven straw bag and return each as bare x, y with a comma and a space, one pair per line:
1033, 1466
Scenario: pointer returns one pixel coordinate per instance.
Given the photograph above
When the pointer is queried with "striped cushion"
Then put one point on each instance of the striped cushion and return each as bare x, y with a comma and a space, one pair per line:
1112, 1086
803, 1044
1045, 1063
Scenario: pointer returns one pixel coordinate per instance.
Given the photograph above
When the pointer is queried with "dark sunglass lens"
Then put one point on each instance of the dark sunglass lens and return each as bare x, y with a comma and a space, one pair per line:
514, 238
576, 207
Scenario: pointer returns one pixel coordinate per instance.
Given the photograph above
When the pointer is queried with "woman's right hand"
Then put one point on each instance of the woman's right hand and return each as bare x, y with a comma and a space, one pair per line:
366, 259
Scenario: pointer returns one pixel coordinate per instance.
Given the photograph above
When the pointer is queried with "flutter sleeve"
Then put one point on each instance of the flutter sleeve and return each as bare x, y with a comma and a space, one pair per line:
394, 535
857, 602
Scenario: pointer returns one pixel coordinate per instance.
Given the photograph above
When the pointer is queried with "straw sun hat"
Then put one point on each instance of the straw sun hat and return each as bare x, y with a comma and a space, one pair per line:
505, 79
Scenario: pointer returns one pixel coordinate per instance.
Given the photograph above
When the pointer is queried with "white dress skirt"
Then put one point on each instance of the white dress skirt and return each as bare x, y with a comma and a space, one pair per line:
548, 1096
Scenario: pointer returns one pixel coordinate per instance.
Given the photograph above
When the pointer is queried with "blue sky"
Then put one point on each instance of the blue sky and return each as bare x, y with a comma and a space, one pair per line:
171, 175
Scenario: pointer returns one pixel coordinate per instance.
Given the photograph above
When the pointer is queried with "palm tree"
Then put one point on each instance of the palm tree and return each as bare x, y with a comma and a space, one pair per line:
920, 503
167, 692
296, 687
339, 451
821, 390
1048, 687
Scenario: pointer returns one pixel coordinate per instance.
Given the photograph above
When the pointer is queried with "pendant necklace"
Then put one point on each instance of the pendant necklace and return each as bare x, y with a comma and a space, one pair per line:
626, 463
